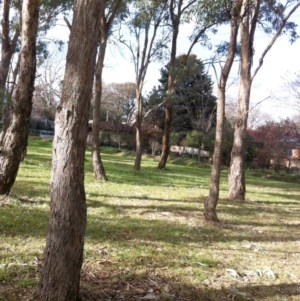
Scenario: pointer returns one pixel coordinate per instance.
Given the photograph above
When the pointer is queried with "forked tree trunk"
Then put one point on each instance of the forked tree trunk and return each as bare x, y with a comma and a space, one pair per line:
15, 141
65, 240
236, 178
8, 47
211, 202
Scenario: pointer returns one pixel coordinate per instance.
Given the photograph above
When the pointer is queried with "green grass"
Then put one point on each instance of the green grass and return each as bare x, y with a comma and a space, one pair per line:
146, 233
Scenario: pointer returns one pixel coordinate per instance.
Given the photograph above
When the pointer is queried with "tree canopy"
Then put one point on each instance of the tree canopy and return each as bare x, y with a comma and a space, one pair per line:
194, 105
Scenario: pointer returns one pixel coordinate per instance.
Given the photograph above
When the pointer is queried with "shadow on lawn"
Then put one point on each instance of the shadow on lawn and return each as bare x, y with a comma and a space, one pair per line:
28, 189
115, 284
122, 285
161, 224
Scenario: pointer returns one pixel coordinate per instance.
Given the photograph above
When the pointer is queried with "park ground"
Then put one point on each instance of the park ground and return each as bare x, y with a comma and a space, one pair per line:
146, 238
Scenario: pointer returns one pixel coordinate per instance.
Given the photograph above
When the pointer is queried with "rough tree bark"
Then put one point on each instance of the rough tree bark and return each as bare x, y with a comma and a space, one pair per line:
105, 26
15, 141
8, 47
211, 202
65, 240
236, 179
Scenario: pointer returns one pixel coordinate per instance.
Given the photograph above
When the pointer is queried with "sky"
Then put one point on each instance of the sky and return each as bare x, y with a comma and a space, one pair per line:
280, 65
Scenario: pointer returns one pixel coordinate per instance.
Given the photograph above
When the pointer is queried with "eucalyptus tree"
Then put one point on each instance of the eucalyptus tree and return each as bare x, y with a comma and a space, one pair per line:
63, 254
16, 137
108, 12
206, 14
273, 16
148, 43
10, 35
177, 8
10, 43
233, 12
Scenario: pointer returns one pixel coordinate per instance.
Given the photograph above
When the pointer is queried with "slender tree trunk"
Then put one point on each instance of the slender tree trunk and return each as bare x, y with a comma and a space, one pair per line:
171, 87
105, 26
6, 112
15, 141
138, 131
236, 178
211, 202
63, 254
166, 134
98, 166
8, 47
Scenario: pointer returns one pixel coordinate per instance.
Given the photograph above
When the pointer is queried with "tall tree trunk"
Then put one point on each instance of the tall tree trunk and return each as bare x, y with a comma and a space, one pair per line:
98, 166
211, 202
171, 87
236, 178
166, 134
8, 47
105, 26
15, 141
138, 131
65, 240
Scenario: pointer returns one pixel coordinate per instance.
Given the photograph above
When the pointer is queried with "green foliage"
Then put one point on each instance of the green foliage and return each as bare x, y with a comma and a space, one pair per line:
193, 102
175, 138
194, 139
272, 13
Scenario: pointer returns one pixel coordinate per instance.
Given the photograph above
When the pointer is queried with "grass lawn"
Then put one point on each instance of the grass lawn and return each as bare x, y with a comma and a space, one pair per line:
146, 238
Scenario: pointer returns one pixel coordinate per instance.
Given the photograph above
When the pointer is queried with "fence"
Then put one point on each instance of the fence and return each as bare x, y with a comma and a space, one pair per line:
42, 133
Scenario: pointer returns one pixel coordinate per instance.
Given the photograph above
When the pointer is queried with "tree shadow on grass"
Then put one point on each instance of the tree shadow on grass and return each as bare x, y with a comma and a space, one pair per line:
168, 218
165, 222
154, 226
286, 196
152, 285
108, 283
